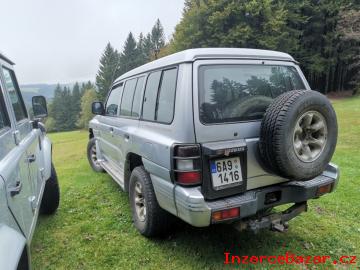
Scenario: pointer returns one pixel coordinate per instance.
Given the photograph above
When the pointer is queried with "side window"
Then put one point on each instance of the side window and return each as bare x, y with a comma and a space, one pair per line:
135, 111
151, 90
14, 93
4, 120
165, 107
127, 97
113, 101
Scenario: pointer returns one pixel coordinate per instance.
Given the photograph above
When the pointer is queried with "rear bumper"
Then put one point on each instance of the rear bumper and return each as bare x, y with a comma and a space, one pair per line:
192, 207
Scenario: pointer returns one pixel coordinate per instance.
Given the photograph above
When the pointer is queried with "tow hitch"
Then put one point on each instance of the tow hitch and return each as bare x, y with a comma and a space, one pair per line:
275, 221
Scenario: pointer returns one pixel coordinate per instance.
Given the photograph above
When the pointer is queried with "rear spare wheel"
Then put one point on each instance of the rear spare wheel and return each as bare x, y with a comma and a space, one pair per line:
298, 134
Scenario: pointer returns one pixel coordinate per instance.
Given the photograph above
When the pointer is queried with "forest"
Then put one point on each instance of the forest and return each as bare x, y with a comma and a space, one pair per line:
322, 35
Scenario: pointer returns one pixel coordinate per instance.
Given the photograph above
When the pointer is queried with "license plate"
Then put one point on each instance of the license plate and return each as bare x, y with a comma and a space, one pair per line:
226, 172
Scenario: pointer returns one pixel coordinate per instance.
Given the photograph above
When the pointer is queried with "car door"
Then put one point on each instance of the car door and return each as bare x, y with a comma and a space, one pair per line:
126, 125
14, 166
108, 148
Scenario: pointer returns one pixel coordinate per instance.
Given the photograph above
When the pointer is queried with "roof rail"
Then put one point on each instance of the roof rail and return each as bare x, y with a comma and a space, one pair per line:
7, 60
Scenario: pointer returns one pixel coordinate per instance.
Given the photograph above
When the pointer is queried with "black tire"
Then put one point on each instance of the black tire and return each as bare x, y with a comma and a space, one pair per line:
279, 141
51, 197
157, 221
90, 148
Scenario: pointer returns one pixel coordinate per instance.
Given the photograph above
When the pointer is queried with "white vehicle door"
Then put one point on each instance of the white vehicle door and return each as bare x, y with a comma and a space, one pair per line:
14, 166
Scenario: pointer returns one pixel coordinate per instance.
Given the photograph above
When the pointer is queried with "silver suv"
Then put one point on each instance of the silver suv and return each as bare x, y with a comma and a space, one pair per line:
28, 181
216, 135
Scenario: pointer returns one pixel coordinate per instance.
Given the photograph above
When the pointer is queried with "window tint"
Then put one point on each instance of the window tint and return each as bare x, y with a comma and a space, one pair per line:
165, 107
4, 120
230, 93
113, 101
127, 97
137, 98
14, 93
151, 90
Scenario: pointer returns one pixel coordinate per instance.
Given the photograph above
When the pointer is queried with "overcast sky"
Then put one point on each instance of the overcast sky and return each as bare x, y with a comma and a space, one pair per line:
62, 40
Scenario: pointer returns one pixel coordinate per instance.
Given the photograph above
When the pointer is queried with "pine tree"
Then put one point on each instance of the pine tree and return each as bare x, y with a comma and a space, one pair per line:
148, 48
130, 54
76, 101
109, 70
86, 86
157, 38
142, 56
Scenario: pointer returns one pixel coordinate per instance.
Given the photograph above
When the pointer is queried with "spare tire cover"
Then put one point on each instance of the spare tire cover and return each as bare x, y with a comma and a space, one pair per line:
298, 134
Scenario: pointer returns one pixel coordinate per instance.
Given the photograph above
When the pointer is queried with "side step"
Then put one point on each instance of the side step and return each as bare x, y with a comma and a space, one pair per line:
115, 173
276, 221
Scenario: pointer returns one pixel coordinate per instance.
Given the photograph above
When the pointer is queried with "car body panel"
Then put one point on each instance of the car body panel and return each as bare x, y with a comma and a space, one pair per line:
25, 165
12, 245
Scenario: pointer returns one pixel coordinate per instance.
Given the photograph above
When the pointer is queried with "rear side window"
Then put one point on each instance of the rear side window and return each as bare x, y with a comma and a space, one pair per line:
4, 120
150, 97
127, 97
135, 112
232, 93
112, 104
166, 99
14, 93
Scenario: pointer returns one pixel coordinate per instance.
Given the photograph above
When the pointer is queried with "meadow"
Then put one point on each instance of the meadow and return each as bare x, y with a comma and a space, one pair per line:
93, 229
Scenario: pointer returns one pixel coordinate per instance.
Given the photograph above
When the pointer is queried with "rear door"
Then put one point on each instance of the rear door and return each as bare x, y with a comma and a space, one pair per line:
230, 98
14, 167
126, 125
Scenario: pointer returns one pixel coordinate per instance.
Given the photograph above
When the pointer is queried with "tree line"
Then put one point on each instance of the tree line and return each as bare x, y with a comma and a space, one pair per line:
323, 35
71, 107
134, 53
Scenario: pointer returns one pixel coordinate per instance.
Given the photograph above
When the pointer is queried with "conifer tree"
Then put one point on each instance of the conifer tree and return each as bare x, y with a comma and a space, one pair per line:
157, 38
109, 70
130, 54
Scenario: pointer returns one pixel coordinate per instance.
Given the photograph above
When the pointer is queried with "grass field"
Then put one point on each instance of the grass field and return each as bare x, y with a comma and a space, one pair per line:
93, 229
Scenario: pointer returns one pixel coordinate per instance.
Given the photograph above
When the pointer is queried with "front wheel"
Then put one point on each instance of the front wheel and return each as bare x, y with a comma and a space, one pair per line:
92, 156
149, 218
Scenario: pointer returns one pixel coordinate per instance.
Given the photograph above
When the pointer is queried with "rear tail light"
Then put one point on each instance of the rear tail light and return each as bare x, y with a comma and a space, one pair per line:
187, 164
225, 214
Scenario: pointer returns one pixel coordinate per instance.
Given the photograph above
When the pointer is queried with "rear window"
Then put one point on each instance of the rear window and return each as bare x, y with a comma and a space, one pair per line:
165, 107
127, 97
232, 93
151, 90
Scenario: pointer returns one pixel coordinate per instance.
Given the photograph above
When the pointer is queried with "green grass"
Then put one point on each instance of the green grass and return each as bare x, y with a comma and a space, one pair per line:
92, 229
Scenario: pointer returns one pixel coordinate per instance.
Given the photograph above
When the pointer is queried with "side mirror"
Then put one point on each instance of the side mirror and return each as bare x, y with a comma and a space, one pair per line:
97, 107
39, 107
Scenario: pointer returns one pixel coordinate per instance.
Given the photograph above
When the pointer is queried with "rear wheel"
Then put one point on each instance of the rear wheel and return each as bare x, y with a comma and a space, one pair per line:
92, 156
149, 218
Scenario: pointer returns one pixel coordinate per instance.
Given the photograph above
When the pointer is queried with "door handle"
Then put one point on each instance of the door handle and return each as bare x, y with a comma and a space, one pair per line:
111, 130
31, 158
126, 136
15, 190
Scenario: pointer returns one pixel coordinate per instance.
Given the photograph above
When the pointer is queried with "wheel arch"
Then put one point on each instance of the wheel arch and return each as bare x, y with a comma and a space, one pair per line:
91, 133
47, 152
14, 252
132, 161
